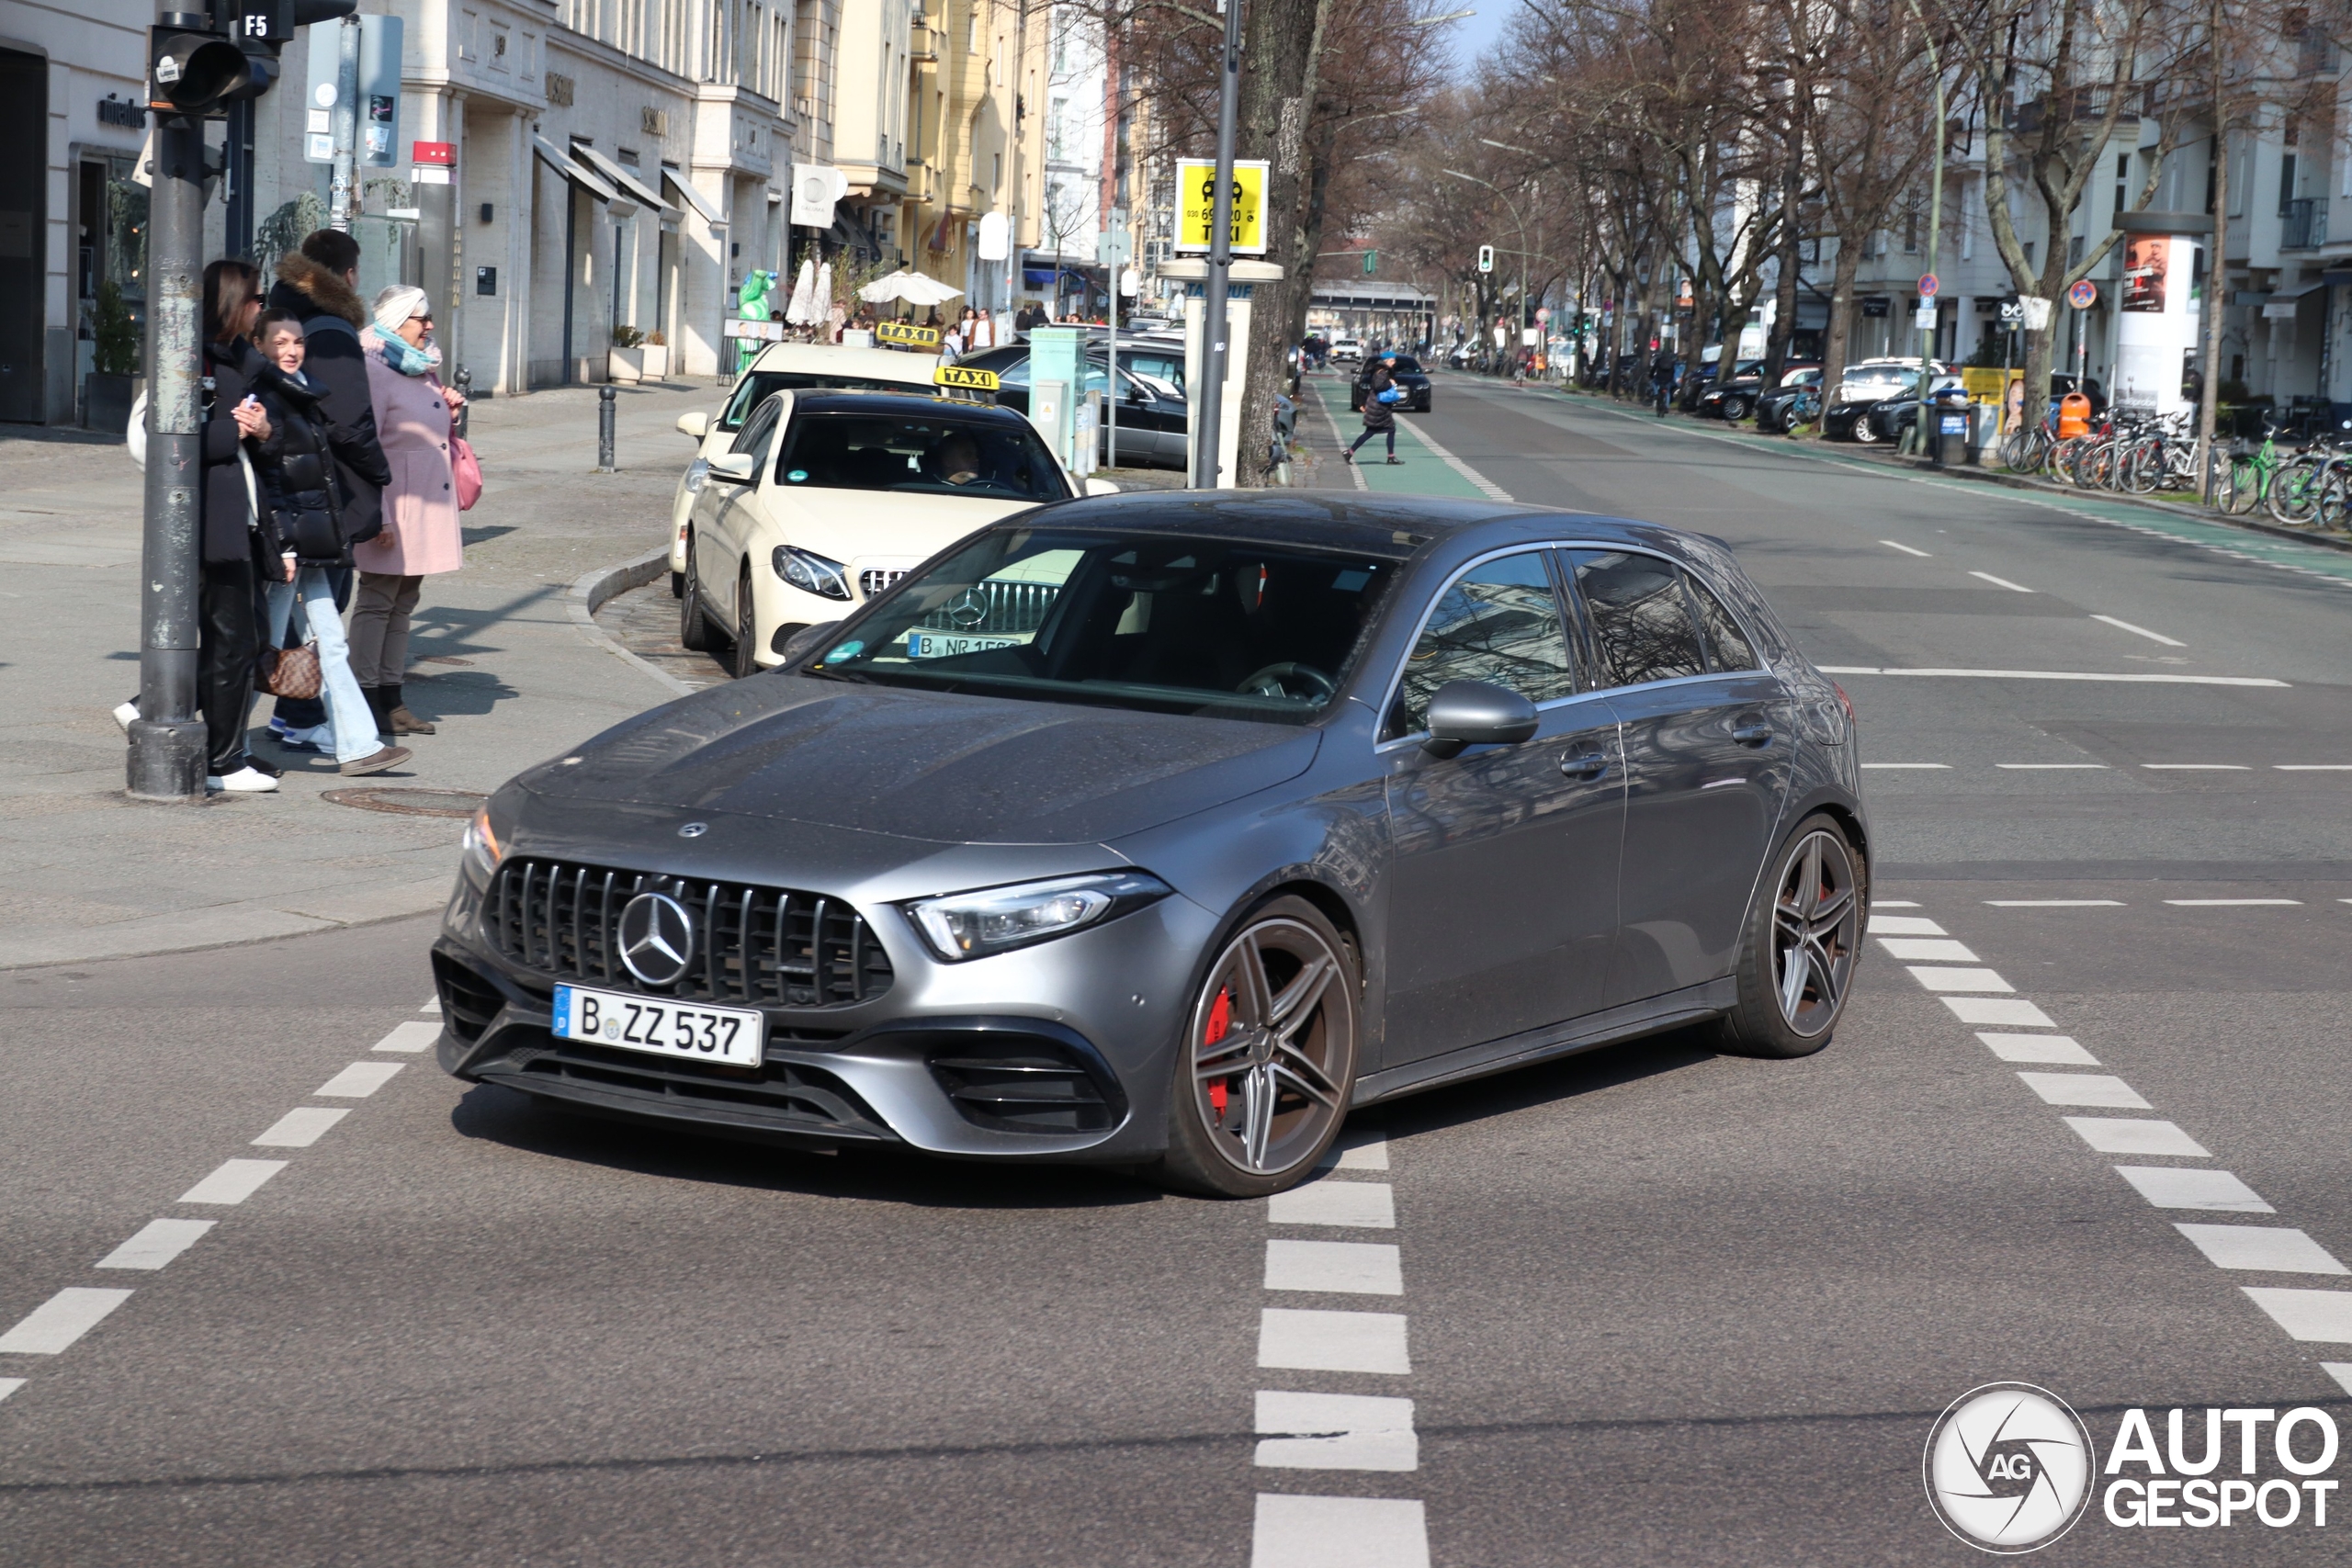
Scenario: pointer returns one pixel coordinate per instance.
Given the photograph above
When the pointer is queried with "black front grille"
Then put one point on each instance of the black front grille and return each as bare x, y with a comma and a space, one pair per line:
783, 1096
752, 944
468, 1002
1025, 1084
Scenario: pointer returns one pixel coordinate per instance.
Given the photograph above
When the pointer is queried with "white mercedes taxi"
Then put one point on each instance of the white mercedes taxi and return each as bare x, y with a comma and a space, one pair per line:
784, 368
826, 498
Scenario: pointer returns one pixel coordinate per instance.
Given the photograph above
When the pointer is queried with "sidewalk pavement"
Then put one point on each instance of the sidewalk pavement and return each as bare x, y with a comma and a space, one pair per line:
504, 660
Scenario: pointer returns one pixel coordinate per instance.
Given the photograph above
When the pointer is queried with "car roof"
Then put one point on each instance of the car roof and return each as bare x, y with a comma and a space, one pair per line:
832, 359
902, 405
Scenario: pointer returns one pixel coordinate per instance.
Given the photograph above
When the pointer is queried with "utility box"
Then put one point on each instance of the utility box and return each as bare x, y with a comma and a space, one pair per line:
1055, 355
1049, 410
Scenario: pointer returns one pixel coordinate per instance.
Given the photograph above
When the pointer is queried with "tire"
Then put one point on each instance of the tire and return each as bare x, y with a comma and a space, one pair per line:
695, 634
1735, 410
1804, 933
2294, 491
744, 660
677, 585
1865, 434
1217, 1142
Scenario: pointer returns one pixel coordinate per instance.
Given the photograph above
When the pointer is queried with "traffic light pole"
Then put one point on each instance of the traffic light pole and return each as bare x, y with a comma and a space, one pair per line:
167, 741
1209, 421
346, 121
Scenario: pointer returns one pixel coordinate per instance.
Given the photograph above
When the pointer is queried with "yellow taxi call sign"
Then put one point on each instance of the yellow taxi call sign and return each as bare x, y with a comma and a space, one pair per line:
1196, 186
906, 332
970, 376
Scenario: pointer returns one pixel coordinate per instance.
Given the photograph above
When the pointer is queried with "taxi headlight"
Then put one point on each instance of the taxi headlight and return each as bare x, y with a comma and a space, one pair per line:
696, 471
811, 573
479, 853
997, 919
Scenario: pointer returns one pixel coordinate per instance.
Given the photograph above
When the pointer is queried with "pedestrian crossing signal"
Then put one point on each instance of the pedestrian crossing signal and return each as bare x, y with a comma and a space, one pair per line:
1486, 258
1370, 260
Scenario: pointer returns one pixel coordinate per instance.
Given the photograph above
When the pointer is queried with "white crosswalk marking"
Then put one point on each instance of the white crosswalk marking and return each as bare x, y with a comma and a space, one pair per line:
2118, 1135
1333, 1341
1353, 1268
235, 1182
2321, 1316
1339, 1532
300, 1128
2183, 1186
1336, 1431
2084, 1089
2053, 1048
358, 1080
410, 1037
1367, 1205
2275, 1249
1941, 979
157, 1244
52, 1328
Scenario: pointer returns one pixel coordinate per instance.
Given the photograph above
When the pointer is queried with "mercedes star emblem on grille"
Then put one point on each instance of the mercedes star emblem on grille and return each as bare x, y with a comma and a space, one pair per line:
657, 938
693, 829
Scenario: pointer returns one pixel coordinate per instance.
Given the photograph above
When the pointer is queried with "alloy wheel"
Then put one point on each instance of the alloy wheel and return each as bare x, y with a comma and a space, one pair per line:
1272, 1038
1817, 926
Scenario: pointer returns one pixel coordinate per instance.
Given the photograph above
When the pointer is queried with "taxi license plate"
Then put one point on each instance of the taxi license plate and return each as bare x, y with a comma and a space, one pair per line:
935, 645
659, 1028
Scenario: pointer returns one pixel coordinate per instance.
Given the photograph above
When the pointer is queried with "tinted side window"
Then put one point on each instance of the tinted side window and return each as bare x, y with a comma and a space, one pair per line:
758, 432
1724, 639
1500, 623
1641, 629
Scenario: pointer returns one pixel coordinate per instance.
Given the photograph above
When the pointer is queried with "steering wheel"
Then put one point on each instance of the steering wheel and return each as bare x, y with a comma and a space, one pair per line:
1272, 682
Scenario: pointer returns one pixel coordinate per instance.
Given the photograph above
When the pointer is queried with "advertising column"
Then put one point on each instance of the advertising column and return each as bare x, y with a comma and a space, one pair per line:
2155, 327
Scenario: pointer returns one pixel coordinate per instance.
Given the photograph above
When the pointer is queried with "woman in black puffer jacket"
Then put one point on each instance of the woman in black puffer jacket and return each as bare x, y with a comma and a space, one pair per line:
307, 534
234, 426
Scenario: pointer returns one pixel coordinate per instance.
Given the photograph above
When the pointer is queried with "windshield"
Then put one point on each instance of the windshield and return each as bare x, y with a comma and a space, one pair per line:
937, 454
753, 390
1403, 364
1221, 627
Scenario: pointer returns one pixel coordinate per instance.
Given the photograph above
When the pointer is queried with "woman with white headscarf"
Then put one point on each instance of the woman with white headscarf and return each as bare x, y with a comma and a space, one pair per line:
421, 532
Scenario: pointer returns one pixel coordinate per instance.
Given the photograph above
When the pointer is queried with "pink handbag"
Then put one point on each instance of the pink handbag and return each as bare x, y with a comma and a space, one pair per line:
467, 469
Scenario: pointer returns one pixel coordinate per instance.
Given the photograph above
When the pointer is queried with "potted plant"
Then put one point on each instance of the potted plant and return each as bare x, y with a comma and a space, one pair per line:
656, 349
107, 391
626, 360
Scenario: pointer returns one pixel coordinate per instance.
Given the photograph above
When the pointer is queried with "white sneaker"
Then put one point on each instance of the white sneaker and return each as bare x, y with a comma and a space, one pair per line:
125, 713
244, 781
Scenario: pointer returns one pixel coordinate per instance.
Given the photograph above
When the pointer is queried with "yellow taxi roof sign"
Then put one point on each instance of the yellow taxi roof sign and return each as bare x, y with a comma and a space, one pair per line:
966, 376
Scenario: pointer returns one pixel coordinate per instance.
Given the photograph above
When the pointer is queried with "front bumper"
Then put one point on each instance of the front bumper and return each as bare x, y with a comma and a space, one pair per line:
1060, 1052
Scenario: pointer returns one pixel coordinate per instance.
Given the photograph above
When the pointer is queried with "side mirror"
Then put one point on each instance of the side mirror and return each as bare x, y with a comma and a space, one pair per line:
735, 468
807, 641
1474, 713
695, 425
1137, 395
1100, 487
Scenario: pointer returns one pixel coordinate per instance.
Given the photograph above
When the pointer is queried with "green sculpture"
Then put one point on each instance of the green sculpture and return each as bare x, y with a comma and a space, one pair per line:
752, 306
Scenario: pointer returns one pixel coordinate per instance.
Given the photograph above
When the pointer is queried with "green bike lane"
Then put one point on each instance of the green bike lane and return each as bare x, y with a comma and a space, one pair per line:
1425, 468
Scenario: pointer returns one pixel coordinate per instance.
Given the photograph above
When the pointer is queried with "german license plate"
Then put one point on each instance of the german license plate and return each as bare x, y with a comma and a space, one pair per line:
659, 1028
937, 644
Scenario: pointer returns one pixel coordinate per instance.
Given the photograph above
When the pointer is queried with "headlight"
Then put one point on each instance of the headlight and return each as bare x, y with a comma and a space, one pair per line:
812, 574
696, 471
480, 853
996, 919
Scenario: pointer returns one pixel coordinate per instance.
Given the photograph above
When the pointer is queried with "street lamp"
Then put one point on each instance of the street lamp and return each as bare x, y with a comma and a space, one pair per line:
1934, 220
1433, 21
1512, 208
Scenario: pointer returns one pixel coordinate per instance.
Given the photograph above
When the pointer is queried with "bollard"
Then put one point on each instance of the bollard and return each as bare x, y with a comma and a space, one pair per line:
607, 400
464, 382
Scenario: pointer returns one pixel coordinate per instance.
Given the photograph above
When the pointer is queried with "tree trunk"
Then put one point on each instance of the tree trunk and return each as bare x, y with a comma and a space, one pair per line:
1841, 317
1277, 40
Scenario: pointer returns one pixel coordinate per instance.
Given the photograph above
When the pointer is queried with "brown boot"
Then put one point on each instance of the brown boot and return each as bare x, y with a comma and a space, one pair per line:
389, 757
402, 722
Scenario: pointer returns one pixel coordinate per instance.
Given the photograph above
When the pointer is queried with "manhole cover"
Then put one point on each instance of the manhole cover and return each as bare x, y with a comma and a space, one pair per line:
411, 802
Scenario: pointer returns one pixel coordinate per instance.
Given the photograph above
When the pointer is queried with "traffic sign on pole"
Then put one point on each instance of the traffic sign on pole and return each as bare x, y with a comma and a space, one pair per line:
1928, 286
2084, 295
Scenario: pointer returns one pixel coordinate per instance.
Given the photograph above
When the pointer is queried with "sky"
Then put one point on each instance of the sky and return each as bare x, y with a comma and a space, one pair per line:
1477, 35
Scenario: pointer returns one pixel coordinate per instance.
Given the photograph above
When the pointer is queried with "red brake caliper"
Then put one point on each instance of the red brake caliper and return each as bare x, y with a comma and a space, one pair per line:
1220, 1022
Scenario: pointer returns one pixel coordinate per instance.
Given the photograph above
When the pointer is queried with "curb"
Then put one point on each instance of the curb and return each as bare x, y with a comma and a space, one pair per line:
593, 589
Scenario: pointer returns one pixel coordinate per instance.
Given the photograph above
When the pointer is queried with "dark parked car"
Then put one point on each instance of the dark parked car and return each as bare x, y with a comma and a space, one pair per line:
1160, 830
1733, 400
1411, 379
1151, 417
1772, 408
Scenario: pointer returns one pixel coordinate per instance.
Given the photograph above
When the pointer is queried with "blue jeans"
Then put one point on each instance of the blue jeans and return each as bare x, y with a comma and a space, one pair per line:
348, 710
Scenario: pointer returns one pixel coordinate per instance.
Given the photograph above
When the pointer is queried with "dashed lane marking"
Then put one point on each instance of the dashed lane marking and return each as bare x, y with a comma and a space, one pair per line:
2313, 768
1339, 1532
52, 1328
1903, 925
1356, 1151
1907, 550
1344, 1268
1366, 1205
2102, 1089
235, 1182
2275, 1249
410, 1038
2140, 631
10, 1385
2055, 903
1313, 1340
2186, 1186
2122, 1135
2129, 677
1922, 767
2052, 767
2005, 1011
2052, 1050
1941, 979
2001, 583
1912, 904
1925, 950
1336, 1431
2198, 767
431, 1006
299, 1128
2230, 903
358, 1080
1487, 487
2324, 1316
157, 1244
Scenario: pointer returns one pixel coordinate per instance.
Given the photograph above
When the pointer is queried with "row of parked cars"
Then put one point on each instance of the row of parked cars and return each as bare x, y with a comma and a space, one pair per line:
1876, 400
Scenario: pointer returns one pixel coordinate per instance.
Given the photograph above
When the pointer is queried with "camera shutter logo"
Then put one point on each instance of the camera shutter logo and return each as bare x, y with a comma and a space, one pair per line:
657, 939
2008, 1468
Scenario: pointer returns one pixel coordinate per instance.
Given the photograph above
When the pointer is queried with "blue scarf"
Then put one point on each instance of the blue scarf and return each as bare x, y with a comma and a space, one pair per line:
406, 356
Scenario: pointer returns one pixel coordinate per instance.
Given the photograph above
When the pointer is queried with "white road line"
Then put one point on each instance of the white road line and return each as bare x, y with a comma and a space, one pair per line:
1487, 487
433, 1006
2313, 767
10, 1385
1936, 979
1339, 1532
1332, 1341
2001, 583
2134, 677
2184, 1187
1926, 950
2273, 1248
1908, 767
2102, 1089
2140, 631
1350, 1267
300, 1128
2340, 1370
2229, 903
1336, 1431
2321, 1316
2052, 767
2055, 903
1356, 1151
157, 1244
235, 1182
1367, 1205
1907, 550
2055, 1049
2005, 1011
1912, 904
1333, 421
2120, 1135
410, 1038
2198, 767
52, 1326
358, 1080
1903, 925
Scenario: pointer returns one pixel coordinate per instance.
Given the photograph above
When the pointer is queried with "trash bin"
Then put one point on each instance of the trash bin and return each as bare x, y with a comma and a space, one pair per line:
1947, 429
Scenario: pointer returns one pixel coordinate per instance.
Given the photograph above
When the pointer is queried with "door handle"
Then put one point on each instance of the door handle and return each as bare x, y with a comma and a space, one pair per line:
1752, 732
1590, 766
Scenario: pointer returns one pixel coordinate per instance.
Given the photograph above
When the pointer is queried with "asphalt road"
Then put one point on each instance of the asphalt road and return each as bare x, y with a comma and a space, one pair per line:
1649, 1307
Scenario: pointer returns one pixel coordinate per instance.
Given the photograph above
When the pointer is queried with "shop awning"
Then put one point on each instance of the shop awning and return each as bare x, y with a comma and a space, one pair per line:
580, 175
621, 178
691, 197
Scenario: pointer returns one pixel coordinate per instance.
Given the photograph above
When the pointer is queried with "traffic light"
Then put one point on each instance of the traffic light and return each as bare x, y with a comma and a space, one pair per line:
193, 68
1486, 258
1370, 260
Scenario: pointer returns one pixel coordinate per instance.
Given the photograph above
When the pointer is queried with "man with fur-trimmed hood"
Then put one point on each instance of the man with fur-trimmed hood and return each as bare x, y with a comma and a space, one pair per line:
320, 283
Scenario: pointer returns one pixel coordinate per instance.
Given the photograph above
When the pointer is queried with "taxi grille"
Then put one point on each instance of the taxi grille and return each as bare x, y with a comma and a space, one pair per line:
875, 579
995, 608
752, 944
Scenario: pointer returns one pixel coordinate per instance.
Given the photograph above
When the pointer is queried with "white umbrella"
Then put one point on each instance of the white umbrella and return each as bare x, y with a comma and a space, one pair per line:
802, 309
911, 287
820, 303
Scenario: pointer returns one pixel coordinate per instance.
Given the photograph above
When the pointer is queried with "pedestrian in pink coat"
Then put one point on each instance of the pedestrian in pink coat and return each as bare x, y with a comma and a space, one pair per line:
421, 532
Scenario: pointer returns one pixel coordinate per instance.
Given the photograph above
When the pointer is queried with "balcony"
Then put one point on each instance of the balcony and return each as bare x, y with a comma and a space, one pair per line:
2303, 223
923, 49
